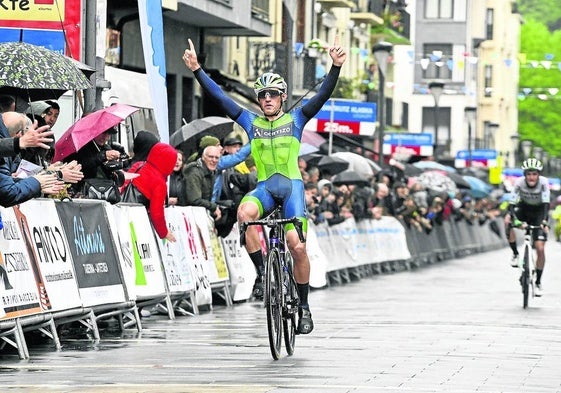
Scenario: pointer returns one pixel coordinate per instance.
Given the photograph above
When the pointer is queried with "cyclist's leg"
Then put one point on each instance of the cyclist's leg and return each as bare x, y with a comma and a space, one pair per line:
251, 208
295, 206
540, 237
511, 237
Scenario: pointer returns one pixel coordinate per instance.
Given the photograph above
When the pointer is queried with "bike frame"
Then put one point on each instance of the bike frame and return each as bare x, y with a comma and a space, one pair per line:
528, 265
281, 294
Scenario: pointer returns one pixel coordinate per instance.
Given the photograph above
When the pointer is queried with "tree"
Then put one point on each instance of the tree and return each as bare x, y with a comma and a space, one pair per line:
539, 113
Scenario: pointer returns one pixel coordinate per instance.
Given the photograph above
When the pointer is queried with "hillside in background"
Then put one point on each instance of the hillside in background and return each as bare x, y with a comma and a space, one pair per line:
546, 11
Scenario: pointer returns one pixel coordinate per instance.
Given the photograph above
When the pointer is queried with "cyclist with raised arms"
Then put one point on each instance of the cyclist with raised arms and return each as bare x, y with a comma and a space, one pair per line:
275, 144
530, 204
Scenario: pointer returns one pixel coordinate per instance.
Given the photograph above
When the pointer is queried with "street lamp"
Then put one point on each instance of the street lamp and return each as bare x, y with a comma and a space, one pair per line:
470, 112
436, 89
526, 147
538, 153
381, 51
515, 138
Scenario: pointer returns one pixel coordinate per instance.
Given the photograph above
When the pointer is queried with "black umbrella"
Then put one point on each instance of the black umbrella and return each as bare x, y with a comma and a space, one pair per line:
313, 159
332, 165
350, 178
187, 137
36, 73
458, 179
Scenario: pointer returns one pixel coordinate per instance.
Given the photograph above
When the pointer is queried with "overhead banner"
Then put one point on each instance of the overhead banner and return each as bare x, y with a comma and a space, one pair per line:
93, 251
486, 158
344, 117
404, 144
46, 242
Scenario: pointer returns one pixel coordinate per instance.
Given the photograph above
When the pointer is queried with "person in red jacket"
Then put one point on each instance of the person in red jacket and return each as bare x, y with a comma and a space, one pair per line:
151, 182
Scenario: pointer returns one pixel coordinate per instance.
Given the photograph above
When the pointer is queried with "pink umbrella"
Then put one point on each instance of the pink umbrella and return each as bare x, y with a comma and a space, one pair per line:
89, 127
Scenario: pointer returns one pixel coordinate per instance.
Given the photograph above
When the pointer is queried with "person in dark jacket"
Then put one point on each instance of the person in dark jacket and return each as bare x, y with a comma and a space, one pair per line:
177, 195
143, 142
96, 158
199, 180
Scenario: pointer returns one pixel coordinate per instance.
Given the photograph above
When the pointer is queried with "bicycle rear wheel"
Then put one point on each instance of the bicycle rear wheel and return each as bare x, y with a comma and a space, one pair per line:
290, 306
273, 302
525, 280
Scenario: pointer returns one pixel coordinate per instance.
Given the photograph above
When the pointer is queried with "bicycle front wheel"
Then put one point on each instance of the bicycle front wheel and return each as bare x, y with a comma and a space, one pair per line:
273, 302
525, 280
290, 305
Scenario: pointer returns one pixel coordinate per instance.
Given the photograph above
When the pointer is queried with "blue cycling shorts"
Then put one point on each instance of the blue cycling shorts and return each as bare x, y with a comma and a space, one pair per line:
289, 193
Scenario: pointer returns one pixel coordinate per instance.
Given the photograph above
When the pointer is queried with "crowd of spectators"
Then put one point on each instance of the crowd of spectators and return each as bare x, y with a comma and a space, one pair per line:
391, 193
227, 177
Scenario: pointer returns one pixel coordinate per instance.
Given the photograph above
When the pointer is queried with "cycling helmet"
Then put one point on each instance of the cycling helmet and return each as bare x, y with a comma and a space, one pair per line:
270, 80
532, 164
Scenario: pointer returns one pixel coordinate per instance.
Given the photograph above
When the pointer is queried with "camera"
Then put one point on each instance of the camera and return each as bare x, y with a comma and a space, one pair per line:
122, 163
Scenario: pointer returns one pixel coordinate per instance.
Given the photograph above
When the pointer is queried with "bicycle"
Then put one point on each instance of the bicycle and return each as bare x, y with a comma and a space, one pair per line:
281, 293
528, 266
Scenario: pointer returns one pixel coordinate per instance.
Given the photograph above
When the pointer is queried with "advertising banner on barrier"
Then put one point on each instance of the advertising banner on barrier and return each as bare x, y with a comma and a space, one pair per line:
93, 252
242, 271
318, 260
47, 244
386, 239
149, 277
22, 290
217, 269
118, 219
177, 264
343, 237
191, 238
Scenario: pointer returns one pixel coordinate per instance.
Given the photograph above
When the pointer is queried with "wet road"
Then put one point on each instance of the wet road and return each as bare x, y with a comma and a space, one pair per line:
456, 326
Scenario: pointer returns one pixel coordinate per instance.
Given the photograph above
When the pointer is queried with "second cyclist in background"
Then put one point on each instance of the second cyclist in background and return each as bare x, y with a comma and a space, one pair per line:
530, 204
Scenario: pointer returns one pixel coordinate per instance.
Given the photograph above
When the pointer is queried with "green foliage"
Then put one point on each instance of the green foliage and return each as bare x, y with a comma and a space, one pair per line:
346, 88
547, 12
540, 120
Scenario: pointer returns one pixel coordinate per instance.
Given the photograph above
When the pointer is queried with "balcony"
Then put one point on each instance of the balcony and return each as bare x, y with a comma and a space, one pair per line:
366, 17
336, 3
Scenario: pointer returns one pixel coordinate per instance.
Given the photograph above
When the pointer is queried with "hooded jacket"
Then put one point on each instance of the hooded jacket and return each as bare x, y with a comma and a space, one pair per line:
151, 182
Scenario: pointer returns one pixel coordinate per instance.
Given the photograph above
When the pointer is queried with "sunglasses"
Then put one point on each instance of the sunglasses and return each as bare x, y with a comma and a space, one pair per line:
272, 94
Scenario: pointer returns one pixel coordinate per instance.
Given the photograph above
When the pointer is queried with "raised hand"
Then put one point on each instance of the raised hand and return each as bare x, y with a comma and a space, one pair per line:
49, 183
337, 53
190, 57
36, 137
71, 171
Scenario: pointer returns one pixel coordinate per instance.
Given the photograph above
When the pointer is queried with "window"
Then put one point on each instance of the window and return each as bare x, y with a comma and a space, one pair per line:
439, 65
439, 9
488, 80
437, 123
489, 19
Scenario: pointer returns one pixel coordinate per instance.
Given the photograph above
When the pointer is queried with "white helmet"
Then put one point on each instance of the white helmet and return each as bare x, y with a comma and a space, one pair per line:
532, 164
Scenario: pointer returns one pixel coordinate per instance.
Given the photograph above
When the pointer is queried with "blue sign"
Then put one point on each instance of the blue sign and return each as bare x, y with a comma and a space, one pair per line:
346, 110
477, 154
50, 39
408, 139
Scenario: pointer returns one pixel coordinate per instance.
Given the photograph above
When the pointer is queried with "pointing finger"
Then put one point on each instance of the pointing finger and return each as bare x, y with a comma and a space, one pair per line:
191, 46
336, 42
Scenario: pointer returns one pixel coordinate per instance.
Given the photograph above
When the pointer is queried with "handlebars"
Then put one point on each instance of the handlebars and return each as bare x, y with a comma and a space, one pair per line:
272, 221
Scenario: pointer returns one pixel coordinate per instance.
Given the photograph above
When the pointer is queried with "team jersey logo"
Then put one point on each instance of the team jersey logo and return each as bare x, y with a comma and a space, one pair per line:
284, 130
